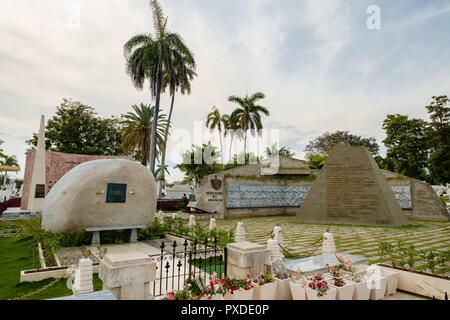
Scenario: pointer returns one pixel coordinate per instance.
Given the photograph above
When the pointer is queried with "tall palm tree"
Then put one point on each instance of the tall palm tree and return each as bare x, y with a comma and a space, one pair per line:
248, 114
181, 78
10, 161
217, 121
137, 130
233, 129
149, 56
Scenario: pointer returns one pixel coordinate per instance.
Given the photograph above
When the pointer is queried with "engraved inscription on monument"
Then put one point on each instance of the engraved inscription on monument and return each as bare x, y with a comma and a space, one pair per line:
116, 193
40, 191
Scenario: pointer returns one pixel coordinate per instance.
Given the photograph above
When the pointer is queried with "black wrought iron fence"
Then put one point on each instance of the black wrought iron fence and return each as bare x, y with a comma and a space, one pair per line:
195, 259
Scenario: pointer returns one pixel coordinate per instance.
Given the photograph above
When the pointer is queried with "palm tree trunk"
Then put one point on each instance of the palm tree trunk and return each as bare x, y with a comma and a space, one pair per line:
163, 157
245, 142
221, 147
4, 178
155, 123
231, 145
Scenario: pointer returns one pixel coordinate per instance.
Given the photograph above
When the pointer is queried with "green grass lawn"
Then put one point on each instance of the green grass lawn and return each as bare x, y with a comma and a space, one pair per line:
22, 255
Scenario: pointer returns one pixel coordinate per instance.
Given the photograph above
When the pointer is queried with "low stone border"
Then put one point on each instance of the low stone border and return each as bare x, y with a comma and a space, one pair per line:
47, 273
424, 284
200, 216
42, 259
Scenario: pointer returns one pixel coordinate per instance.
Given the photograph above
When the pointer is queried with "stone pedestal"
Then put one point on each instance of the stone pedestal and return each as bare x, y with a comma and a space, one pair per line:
278, 234
133, 236
240, 232
328, 245
246, 258
275, 252
191, 221
83, 277
95, 242
128, 275
212, 224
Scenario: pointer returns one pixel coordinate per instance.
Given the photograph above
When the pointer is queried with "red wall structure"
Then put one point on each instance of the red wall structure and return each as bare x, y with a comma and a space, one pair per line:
57, 164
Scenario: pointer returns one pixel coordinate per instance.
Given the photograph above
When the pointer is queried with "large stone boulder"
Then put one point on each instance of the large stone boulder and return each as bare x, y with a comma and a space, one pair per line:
101, 193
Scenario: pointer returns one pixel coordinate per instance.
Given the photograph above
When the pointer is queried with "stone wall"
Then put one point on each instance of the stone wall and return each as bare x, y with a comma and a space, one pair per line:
351, 189
57, 165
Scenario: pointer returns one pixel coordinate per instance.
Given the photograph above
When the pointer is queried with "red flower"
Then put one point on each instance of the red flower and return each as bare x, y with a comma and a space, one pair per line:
248, 276
278, 276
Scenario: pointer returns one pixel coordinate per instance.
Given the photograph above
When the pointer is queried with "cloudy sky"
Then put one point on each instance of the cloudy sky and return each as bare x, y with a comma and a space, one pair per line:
320, 66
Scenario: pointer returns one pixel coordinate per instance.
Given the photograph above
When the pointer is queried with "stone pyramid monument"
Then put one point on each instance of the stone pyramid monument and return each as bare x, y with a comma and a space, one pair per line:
351, 189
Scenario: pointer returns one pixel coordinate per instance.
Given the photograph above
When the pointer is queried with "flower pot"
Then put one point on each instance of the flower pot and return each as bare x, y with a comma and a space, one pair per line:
377, 285
311, 294
362, 291
265, 291
392, 278
298, 290
283, 291
345, 292
243, 295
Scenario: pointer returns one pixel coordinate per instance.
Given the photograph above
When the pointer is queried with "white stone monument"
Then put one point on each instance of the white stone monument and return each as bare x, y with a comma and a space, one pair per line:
328, 243
128, 275
278, 234
240, 232
212, 224
275, 252
36, 199
191, 221
83, 277
101, 195
161, 217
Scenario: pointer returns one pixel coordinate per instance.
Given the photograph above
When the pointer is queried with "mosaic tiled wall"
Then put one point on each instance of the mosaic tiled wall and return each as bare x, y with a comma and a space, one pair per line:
403, 196
259, 196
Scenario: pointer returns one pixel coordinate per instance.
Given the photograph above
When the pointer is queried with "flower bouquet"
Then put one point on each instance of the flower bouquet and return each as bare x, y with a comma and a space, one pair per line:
319, 290
238, 289
333, 272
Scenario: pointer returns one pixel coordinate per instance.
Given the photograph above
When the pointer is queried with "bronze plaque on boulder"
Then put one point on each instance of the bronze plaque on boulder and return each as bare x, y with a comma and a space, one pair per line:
116, 193
40, 191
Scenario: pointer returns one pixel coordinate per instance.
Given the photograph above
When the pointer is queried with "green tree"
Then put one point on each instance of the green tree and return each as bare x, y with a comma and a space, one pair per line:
179, 78
317, 160
199, 162
10, 161
76, 128
149, 57
217, 121
283, 151
2, 155
439, 136
325, 142
248, 114
385, 163
137, 131
407, 145
241, 159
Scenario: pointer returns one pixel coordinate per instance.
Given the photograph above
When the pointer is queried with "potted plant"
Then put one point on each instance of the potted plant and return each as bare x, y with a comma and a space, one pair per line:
283, 291
238, 289
392, 278
319, 290
377, 286
362, 290
264, 287
298, 287
344, 288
